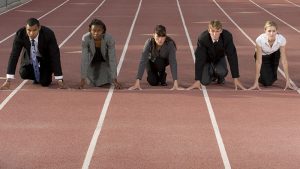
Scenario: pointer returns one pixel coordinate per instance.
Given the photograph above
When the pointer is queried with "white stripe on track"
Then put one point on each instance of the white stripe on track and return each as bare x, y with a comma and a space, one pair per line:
12, 94
15, 7
244, 33
275, 16
293, 3
221, 145
98, 129
38, 19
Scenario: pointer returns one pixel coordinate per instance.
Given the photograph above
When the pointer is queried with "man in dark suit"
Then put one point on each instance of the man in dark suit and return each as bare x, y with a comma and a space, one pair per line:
212, 47
40, 55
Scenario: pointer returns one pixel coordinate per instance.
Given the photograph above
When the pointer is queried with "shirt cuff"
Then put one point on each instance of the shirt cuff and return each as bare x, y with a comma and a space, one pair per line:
8, 76
58, 77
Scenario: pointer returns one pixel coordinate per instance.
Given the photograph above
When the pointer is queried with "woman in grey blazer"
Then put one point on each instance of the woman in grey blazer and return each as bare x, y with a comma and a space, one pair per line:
98, 62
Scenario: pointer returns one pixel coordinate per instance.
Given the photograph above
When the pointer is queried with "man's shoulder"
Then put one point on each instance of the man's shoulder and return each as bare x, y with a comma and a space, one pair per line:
21, 32
204, 37
46, 30
204, 34
226, 33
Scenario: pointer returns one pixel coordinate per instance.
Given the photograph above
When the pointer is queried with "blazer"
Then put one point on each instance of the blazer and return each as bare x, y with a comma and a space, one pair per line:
207, 53
167, 51
101, 72
47, 46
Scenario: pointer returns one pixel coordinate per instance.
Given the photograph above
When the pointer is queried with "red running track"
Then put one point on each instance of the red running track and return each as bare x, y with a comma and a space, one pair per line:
155, 127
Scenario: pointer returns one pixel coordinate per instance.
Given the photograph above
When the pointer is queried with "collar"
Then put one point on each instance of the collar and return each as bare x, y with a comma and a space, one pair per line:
36, 39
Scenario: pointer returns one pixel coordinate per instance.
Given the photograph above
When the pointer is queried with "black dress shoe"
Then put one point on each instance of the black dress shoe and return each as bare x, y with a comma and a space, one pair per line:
221, 81
35, 82
213, 79
163, 79
163, 84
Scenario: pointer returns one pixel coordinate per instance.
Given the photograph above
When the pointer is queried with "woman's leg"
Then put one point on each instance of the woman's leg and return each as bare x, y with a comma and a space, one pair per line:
152, 74
268, 70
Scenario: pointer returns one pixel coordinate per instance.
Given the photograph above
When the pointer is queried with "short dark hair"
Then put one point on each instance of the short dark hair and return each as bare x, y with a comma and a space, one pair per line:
97, 22
32, 22
160, 30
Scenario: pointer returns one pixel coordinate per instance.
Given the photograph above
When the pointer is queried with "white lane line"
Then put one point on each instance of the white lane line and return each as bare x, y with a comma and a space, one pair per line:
293, 3
297, 30
15, 7
38, 19
12, 94
28, 11
97, 131
23, 83
247, 12
221, 145
246, 35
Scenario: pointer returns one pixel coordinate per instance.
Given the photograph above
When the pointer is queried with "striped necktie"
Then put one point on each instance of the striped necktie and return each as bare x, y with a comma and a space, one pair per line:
35, 62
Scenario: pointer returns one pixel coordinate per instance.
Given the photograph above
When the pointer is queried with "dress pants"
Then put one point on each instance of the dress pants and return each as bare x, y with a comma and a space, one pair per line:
27, 72
214, 71
157, 71
268, 70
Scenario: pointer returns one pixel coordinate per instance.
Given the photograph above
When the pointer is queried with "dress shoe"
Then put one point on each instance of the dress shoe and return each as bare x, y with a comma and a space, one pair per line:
221, 81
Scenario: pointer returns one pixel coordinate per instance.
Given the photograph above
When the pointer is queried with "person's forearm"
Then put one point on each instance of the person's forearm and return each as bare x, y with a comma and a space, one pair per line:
257, 70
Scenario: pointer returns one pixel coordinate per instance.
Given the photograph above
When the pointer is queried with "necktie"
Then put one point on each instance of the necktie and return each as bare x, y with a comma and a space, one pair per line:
35, 62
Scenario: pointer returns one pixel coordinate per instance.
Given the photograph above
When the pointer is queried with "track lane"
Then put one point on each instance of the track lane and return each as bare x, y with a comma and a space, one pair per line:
151, 125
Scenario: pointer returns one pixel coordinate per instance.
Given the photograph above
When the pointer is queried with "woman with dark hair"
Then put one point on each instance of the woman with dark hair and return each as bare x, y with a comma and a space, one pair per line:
159, 52
98, 62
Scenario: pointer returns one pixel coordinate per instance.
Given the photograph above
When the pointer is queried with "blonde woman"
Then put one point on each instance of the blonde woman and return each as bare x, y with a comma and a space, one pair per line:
270, 49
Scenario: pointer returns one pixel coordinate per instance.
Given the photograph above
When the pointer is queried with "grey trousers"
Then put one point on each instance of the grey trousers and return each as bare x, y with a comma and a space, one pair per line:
214, 71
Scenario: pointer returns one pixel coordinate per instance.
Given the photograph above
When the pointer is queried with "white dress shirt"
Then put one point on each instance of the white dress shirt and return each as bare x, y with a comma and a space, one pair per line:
262, 41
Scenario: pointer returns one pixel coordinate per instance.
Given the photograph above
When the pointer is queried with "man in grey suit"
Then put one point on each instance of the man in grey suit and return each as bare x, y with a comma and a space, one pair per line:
98, 62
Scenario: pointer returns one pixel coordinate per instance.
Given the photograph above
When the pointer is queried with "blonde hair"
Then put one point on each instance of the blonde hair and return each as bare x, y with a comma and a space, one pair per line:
215, 24
269, 24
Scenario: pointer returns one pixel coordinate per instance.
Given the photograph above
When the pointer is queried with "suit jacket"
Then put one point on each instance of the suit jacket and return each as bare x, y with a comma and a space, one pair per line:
207, 52
98, 73
47, 46
167, 51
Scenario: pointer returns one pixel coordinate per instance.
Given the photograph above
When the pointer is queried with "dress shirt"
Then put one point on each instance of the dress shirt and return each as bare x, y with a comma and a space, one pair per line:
262, 41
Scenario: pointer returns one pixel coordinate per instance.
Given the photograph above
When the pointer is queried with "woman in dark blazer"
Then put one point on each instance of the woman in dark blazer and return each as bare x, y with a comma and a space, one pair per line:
98, 62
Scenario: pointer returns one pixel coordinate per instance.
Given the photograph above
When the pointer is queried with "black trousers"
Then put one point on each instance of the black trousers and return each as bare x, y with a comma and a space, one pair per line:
27, 72
156, 71
213, 71
268, 70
